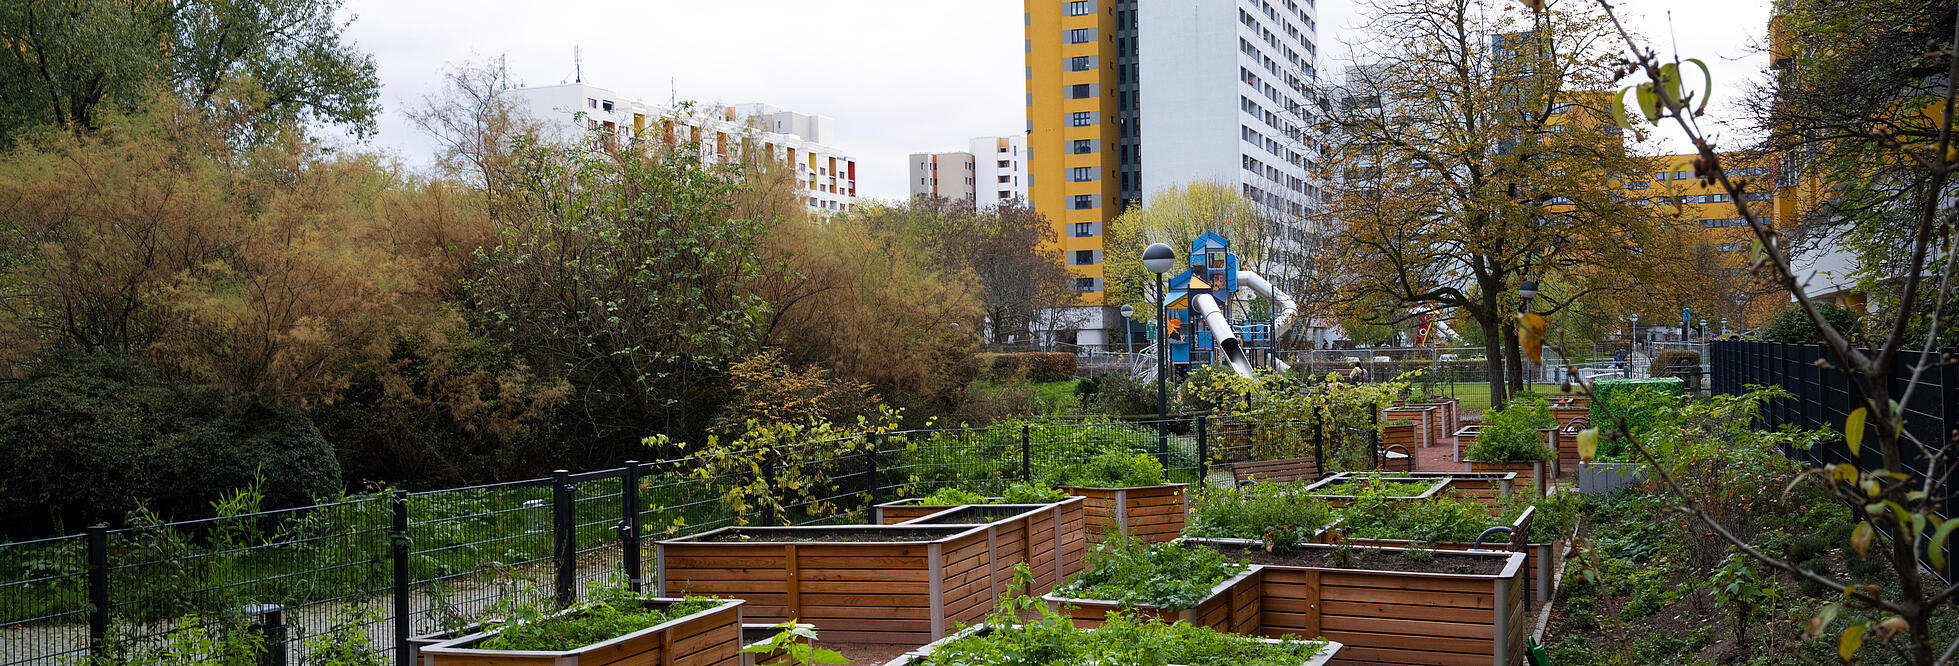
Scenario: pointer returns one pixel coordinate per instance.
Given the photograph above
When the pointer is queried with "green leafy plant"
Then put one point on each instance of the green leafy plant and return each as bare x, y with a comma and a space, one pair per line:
345, 644
1053, 639
1512, 434
1742, 591
954, 496
1256, 512
1377, 514
608, 614
794, 640
1018, 493
1168, 576
1353, 484
1110, 469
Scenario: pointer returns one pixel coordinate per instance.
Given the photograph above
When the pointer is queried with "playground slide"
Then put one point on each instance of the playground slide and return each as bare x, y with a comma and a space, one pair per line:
1288, 309
1228, 345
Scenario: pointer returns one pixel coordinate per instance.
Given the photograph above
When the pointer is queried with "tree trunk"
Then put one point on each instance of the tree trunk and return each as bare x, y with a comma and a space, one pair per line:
1513, 357
1493, 359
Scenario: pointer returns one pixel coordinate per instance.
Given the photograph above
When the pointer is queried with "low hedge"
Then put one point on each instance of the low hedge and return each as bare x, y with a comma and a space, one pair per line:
1039, 366
1664, 365
1639, 401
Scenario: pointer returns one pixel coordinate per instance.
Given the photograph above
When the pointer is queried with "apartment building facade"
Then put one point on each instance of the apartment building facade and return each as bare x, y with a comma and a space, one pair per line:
991, 172
1227, 85
796, 141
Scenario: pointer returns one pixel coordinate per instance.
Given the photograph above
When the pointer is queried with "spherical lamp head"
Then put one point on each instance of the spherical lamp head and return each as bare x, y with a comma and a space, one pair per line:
1527, 289
1158, 258
1128, 310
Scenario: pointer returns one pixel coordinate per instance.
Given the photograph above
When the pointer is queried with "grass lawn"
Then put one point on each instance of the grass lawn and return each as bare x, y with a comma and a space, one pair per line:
1476, 395
1057, 396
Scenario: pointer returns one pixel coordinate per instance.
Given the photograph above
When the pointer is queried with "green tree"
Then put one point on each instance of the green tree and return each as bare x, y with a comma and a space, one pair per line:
621, 271
279, 63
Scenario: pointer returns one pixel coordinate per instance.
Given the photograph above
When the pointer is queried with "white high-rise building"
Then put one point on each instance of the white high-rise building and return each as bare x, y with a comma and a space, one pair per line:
1000, 167
795, 140
1229, 92
993, 171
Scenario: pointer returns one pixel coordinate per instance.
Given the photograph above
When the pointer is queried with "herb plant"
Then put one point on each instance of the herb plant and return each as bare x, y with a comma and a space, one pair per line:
1512, 434
611, 613
1019, 493
1110, 469
1352, 485
1122, 640
1375, 514
1130, 572
1255, 512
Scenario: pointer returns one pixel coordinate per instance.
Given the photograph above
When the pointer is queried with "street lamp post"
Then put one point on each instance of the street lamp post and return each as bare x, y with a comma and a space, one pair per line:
1127, 339
1158, 258
1632, 347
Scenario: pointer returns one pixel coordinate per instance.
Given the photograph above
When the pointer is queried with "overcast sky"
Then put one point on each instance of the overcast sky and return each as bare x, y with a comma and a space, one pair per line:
899, 76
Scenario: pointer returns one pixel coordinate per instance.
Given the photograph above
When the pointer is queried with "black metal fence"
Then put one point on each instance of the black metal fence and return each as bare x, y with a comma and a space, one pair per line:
1822, 400
378, 569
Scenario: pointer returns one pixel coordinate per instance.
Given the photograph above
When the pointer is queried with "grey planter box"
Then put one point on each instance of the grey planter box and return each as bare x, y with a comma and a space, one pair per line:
1595, 478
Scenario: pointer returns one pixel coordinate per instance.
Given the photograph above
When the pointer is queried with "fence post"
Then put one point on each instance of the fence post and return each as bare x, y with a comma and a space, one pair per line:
398, 548
1203, 450
871, 478
1374, 436
564, 536
629, 525
1319, 447
98, 588
269, 622
1026, 456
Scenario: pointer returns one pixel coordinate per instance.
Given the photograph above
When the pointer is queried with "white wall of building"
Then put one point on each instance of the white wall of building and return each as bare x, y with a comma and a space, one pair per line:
997, 159
827, 173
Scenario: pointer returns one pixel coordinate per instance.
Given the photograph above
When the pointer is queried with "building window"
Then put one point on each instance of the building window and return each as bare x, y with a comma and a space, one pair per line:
1081, 201
1006, 179
1732, 247
591, 103
1084, 229
1084, 146
1081, 174
1006, 195
1078, 91
1085, 284
1078, 36
1081, 63
1081, 119
1084, 257
1724, 222
1078, 8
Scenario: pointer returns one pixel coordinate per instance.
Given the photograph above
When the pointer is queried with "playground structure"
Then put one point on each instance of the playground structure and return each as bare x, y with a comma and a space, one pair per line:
1197, 310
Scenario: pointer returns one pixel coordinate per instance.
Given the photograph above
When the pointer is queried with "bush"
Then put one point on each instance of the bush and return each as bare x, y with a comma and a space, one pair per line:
1791, 324
91, 438
1641, 402
1038, 366
1674, 362
1257, 511
1110, 469
1119, 394
1512, 434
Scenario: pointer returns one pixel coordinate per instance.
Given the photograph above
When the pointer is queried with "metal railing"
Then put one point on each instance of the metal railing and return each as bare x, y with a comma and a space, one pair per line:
397, 564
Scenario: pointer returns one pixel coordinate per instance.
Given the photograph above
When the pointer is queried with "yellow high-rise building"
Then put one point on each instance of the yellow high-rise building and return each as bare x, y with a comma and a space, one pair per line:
1080, 77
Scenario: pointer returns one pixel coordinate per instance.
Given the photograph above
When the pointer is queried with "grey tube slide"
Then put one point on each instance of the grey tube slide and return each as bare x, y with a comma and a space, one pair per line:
1288, 310
1228, 345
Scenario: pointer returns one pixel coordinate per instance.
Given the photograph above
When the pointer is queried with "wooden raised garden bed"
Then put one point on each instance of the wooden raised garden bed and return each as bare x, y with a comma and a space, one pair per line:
1465, 438
1408, 435
919, 656
1542, 580
1050, 538
1278, 470
1530, 473
1150, 513
1489, 489
708, 638
1232, 607
1322, 490
1385, 616
898, 511
855, 583
1436, 418
1428, 428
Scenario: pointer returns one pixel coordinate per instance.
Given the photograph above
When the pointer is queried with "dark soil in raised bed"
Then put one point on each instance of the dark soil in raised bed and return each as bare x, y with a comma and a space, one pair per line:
1372, 558
798, 536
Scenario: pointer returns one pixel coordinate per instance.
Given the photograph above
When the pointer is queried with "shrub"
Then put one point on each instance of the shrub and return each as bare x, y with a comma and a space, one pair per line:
1641, 402
90, 438
1791, 324
1166, 575
1019, 493
1256, 511
1119, 394
1512, 434
1672, 361
1110, 469
1038, 366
